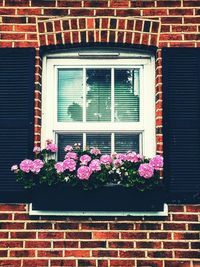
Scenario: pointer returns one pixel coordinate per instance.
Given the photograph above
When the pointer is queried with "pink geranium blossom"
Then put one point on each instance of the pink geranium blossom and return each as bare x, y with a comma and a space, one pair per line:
146, 170
132, 157
106, 159
156, 162
51, 147
26, 165
84, 172
121, 156
95, 151
37, 149
117, 162
37, 165
85, 159
68, 148
59, 167
14, 168
71, 155
95, 165
69, 164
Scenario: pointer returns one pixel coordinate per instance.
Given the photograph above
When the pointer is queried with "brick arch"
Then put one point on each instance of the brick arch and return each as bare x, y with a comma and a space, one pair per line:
83, 30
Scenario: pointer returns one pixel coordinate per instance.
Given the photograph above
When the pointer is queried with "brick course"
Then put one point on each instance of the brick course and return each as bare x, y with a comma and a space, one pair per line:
124, 241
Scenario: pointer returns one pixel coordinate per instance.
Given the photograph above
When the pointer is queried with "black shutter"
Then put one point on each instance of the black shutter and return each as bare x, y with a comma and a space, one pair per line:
181, 121
16, 113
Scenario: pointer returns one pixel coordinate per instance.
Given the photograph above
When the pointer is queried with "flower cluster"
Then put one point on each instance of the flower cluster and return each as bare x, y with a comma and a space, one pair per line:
89, 169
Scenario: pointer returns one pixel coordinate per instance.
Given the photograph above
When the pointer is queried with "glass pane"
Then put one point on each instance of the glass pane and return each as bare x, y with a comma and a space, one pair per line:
70, 95
98, 98
126, 142
126, 95
102, 141
67, 139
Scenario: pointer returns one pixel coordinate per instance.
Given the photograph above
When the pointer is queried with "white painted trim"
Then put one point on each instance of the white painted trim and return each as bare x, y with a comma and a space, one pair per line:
162, 213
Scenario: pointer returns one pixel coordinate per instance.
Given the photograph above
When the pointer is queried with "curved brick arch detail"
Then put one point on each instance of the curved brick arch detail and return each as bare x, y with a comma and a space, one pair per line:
74, 30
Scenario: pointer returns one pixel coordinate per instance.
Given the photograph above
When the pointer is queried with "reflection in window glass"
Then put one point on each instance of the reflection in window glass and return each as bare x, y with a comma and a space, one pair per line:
102, 141
70, 95
126, 95
125, 142
98, 98
67, 139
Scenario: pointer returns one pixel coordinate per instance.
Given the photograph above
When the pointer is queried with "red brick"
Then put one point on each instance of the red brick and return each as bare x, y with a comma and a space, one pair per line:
14, 20
77, 253
159, 254
105, 12
187, 254
171, 20
43, 3
190, 3
10, 225
93, 244
183, 236
34, 263
81, 12
65, 244
195, 245
134, 235
66, 226
176, 208
11, 244
121, 226
120, 244
93, 3
56, 12
71, 3
196, 263
121, 3
192, 20
105, 235
28, 11
184, 217
177, 263
155, 245
174, 226
147, 226
39, 225
87, 263
160, 236
162, 3
105, 253
180, 12
5, 216
51, 235
17, 3
49, 253
78, 235
37, 244
184, 44
194, 226
102, 263
26, 44
127, 12
22, 253
120, 263
58, 263
11, 263
23, 235
25, 28
154, 12
12, 207
3, 253
132, 254
3, 235
193, 208
150, 263
175, 244
7, 11
170, 37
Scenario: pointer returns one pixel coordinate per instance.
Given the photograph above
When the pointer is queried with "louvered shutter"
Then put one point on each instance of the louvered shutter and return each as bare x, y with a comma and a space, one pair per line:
181, 121
16, 113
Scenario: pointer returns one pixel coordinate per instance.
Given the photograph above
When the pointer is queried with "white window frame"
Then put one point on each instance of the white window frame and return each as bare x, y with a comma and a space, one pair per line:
100, 59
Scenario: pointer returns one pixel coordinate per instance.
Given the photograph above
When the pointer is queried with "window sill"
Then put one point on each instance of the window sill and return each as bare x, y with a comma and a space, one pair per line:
161, 213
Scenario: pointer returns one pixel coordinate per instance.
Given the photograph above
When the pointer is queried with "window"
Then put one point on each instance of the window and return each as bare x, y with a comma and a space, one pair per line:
101, 99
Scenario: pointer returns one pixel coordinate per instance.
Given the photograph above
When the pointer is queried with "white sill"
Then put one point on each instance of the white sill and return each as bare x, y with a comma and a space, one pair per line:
97, 213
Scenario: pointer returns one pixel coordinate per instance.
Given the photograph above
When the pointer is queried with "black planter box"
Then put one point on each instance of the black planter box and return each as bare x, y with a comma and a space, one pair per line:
104, 199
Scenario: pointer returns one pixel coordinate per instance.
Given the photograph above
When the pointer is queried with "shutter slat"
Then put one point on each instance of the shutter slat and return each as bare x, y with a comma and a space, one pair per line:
16, 112
181, 119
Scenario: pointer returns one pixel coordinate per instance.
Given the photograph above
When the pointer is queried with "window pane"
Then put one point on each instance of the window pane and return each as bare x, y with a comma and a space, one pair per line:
126, 142
70, 95
102, 141
98, 84
67, 139
126, 95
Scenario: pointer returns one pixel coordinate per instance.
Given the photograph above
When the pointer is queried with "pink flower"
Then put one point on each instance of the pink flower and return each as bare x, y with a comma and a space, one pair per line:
117, 162
84, 172
69, 164
59, 167
37, 165
95, 165
71, 155
85, 159
156, 162
121, 156
68, 148
14, 168
146, 170
106, 159
132, 157
26, 165
51, 147
36, 149
95, 151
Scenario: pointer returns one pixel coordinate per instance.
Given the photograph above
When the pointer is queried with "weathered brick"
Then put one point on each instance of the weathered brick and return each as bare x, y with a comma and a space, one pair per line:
37, 244
78, 235
120, 244
9, 262
93, 244
63, 262
49, 253
177, 263
159, 254
121, 226
152, 263
187, 254
132, 254
155, 245
12, 207
120, 263
77, 253
86, 263
34, 263
174, 226
105, 235
51, 235
172, 245
187, 236
185, 217
23, 235
22, 253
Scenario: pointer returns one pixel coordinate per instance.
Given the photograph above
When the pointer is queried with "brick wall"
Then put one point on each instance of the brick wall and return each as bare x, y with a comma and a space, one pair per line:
156, 242
171, 241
